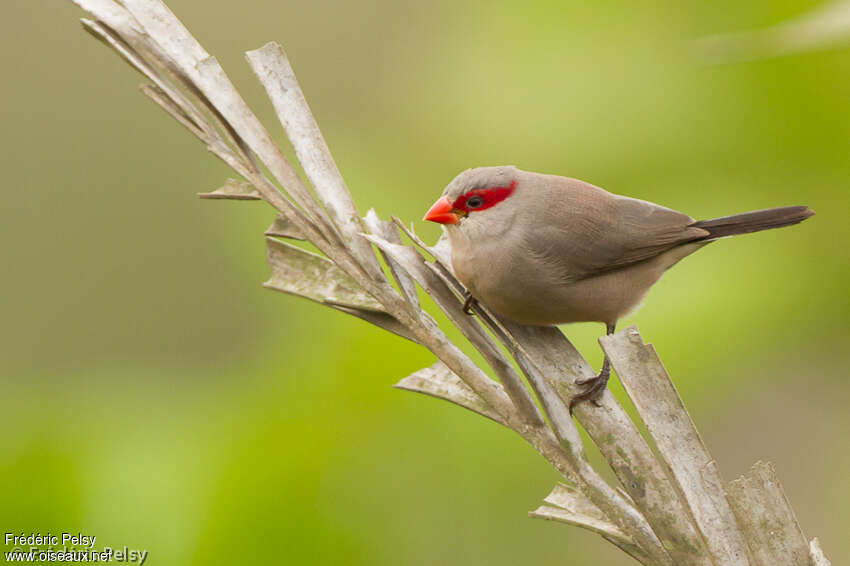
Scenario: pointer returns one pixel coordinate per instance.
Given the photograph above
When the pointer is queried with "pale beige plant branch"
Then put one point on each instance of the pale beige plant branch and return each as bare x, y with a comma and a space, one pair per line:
670, 508
825, 26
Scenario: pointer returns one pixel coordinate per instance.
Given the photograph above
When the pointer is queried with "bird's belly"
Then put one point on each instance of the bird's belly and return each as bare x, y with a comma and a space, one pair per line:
529, 298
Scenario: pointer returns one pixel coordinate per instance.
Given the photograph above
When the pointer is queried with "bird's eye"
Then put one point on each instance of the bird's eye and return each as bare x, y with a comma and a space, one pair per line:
474, 202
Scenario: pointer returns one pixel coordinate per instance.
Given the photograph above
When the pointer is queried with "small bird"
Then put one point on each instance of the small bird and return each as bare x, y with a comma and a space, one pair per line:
545, 250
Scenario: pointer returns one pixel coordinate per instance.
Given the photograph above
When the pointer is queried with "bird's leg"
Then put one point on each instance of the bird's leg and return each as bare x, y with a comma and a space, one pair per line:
595, 385
468, 302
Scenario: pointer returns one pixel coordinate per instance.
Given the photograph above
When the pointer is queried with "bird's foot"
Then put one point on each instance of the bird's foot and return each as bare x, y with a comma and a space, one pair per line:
468, 302
595, 388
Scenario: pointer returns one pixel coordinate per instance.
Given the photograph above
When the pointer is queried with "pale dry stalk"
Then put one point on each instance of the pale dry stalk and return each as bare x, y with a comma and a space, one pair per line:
668, 509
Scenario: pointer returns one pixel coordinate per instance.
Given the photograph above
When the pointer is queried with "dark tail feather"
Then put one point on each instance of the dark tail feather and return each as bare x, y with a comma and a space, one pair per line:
754, 221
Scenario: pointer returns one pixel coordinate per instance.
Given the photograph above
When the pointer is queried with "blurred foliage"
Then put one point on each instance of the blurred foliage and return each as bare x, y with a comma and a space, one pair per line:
157, 397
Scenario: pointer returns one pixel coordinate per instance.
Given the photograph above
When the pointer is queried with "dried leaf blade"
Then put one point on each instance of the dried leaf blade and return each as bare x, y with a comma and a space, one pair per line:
299, 272
281, 227
233, 189
439, 381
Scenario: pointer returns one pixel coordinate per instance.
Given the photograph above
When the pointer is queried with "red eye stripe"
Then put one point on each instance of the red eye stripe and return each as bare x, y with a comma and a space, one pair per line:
491, 196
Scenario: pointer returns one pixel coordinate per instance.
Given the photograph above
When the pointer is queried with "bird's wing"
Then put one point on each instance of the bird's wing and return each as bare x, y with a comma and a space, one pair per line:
587, 231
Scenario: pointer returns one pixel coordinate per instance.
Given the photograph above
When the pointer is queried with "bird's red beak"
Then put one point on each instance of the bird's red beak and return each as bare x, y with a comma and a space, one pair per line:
442, 213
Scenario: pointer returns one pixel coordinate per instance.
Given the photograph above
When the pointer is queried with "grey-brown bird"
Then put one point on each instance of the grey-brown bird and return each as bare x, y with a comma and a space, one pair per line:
545, 250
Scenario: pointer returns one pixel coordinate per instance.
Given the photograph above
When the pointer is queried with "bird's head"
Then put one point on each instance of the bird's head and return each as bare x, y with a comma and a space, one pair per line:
476, 194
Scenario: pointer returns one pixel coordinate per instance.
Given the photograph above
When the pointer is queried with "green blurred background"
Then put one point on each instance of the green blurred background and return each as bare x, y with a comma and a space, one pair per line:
154, 395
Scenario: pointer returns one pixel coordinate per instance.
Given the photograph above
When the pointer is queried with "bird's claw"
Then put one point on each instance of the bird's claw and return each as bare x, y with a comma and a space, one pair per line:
468, 302
595, 388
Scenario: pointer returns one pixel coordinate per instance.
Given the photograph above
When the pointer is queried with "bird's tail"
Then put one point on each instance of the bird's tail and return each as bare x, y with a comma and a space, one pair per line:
755, 221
